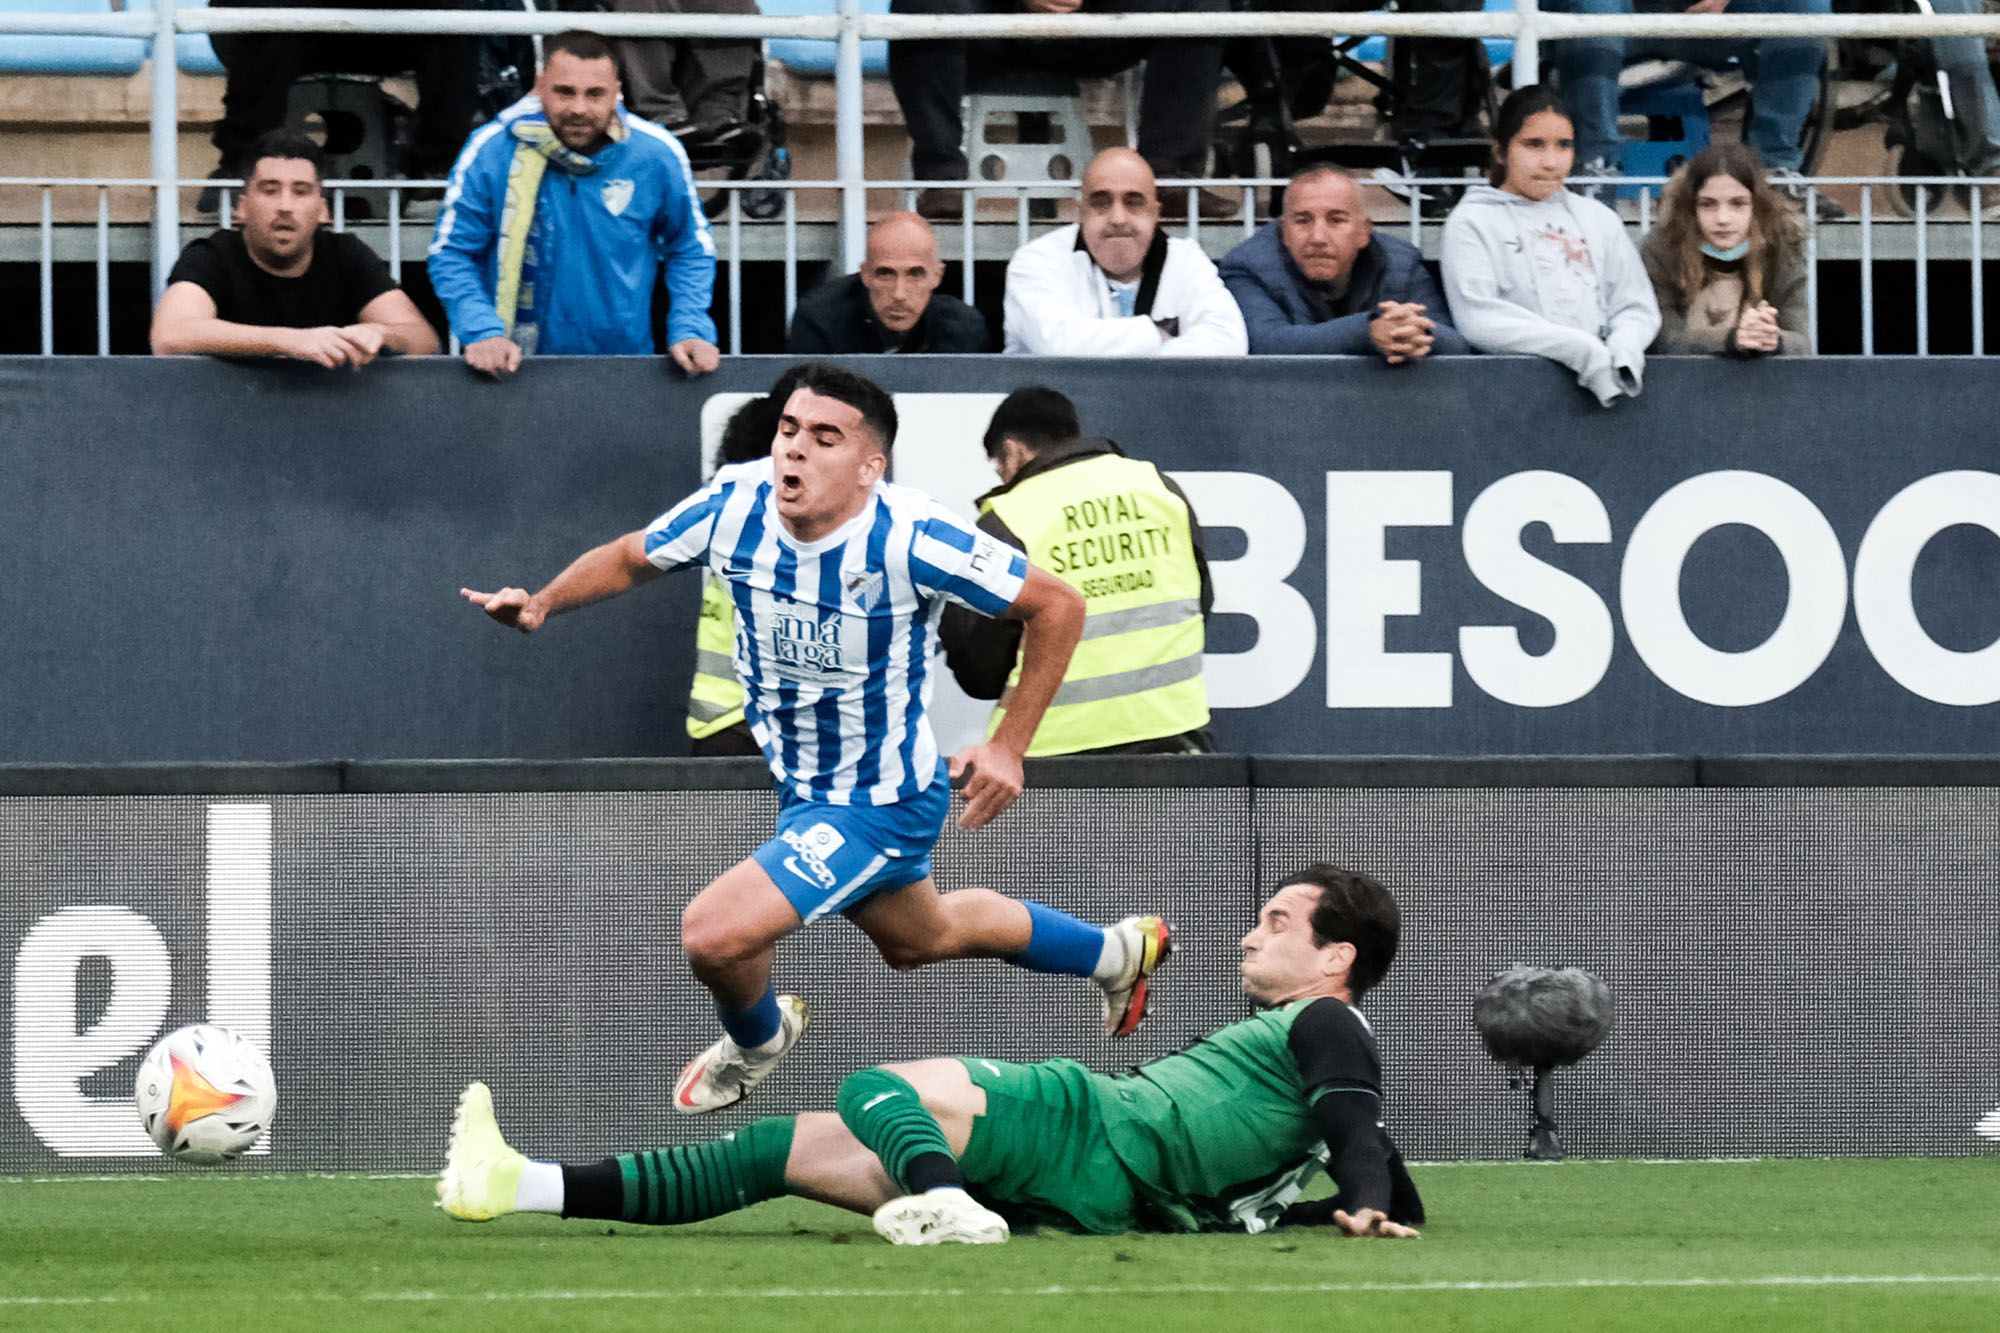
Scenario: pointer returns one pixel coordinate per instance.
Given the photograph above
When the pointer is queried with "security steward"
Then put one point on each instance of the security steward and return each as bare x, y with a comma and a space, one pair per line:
1119, 531
715, 724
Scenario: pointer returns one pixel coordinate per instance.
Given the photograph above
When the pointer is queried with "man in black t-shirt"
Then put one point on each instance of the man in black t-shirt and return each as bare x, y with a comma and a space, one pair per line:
283, 285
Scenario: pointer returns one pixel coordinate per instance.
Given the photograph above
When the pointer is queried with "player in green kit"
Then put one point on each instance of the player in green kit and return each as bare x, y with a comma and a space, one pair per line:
1222, 1135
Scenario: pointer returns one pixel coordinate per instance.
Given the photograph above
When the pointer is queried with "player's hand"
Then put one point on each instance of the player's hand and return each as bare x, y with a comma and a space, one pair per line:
512, 607
992, 778
695, 356
324, 346
366, 340
1370, 1222
494, 356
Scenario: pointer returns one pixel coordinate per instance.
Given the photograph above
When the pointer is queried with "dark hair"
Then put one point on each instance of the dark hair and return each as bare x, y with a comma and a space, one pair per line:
1775, 232
1358, 910
579, 43
1521, 104
1037, 416
865, 396
287, 145
754, 425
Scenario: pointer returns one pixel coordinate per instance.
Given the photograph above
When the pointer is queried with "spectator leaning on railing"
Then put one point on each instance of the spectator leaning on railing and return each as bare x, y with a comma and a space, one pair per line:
1176, 109
283, 285
1317, 281
892, 304
556, 221
1114, 284
1532, 269
1727, 261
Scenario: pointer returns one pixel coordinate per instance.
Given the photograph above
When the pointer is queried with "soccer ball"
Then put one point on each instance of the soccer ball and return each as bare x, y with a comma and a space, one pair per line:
205, 1094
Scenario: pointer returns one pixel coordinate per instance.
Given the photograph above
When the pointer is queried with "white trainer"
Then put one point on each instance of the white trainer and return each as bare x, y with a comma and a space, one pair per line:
481, 1173
724, 1074
939, 1217
1148, 942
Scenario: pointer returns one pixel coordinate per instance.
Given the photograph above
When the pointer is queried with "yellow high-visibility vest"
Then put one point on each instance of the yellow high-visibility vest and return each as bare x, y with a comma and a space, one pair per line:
1109, 527
715, 700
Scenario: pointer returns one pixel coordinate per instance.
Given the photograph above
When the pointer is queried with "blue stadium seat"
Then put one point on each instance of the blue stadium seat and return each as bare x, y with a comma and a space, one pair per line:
1499, 50
68, 55
192, 49
806, 57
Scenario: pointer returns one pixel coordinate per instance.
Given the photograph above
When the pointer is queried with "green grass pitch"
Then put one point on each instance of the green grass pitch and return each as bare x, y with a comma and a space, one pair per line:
1748, 1247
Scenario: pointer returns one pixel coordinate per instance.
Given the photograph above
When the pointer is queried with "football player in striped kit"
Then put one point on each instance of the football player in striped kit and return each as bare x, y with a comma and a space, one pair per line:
839, 578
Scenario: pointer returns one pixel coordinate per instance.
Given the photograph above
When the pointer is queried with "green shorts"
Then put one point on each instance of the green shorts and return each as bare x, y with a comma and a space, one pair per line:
1040, 1153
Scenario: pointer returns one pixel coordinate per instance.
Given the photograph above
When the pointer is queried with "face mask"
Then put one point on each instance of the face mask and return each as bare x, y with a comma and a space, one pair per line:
1733, 253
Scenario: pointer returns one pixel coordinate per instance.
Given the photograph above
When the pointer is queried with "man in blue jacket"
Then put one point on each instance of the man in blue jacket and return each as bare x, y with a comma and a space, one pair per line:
1319, 282
557, 217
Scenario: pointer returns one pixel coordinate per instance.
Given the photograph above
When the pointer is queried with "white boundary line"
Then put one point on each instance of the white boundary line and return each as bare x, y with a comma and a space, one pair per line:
1780, 1280
267, 1174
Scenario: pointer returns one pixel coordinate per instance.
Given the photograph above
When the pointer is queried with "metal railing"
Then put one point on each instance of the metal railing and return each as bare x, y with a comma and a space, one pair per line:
1528, 26
1005, 217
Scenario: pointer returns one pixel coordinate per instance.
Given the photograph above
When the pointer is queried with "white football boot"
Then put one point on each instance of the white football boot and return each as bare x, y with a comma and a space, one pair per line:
939, 1217
481, 1173
1148, 942
725, 1073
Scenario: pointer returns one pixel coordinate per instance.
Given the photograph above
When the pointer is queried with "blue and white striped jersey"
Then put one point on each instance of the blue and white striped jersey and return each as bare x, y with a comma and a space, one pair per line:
834, 638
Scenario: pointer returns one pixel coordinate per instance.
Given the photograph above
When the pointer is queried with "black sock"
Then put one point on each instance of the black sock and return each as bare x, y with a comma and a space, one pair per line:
596, 1190
932, 1170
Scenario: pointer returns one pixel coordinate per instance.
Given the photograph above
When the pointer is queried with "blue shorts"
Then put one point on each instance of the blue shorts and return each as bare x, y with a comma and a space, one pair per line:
830, 858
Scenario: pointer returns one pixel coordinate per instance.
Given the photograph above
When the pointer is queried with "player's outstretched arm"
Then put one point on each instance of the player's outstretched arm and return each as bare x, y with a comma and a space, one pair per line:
601, 572
1369, 1222
1051, 613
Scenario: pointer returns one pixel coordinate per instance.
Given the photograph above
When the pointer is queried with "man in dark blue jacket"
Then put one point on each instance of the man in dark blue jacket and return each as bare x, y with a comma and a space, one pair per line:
1319, 282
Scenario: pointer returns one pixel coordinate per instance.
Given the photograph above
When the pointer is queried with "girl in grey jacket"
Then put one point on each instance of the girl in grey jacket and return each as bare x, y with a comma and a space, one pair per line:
1531, 268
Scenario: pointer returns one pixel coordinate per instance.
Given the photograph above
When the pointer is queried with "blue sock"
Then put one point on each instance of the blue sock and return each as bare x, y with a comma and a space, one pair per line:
753, 1026
1058, 942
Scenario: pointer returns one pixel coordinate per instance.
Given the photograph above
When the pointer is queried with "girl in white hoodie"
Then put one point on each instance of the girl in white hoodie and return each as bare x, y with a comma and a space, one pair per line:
1531, 268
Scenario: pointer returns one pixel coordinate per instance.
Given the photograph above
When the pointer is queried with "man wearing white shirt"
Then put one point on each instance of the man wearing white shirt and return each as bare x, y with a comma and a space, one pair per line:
1114, 284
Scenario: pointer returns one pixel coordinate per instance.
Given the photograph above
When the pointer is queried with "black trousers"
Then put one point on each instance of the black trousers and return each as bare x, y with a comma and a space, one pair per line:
262, 67
1442, 78
1176, 109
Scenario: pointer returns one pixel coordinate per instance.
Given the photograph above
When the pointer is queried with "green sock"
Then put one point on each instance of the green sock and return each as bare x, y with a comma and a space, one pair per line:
707, 1179
885, 1113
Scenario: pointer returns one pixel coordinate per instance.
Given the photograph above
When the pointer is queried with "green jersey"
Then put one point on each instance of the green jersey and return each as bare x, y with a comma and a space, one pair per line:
1225, 1132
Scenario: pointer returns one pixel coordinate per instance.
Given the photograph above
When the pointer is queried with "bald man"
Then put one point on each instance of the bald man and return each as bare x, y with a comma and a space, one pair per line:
892, 304
1113, 284
1318, 281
